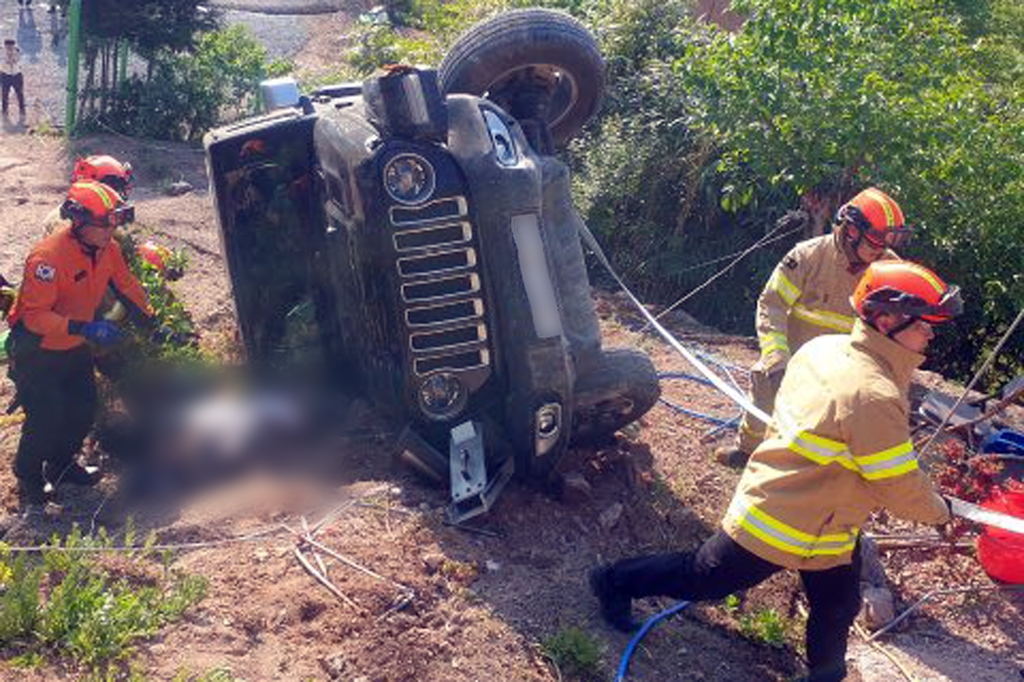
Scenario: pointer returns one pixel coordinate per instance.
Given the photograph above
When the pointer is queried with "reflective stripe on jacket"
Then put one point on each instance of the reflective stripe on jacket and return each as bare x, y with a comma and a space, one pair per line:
807, 295
62, 282
838, 448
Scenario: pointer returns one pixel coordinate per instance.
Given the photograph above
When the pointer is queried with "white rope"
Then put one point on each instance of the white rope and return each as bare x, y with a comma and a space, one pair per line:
248, 537
977, 375
742, 254
734, 394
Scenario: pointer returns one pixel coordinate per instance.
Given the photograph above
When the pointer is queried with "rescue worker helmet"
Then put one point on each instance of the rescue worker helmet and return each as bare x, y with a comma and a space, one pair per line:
154, 254
877, 218
907, 289
105, 169
94, 203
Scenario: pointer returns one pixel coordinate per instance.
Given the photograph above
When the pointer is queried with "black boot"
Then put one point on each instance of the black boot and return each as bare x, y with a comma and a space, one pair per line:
31, 493
76, 474
616, 606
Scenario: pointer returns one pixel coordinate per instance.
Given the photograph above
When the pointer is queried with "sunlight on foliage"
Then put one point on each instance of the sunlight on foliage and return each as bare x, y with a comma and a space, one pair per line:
65, 603
576, 652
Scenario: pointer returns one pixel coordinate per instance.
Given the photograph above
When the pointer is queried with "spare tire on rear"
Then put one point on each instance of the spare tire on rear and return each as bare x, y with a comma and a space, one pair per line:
535, 63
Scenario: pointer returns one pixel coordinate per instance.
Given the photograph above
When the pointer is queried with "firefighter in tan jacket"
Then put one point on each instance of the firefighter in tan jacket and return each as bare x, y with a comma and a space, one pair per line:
838, 447
808, 295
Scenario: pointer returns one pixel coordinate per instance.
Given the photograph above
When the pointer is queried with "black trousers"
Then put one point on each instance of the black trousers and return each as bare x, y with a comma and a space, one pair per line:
57, 390
721, 567
17, 82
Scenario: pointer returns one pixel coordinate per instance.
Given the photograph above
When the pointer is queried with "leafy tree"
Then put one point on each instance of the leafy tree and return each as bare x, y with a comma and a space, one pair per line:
818, 98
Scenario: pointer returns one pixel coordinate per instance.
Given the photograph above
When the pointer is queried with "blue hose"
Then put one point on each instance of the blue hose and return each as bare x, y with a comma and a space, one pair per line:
651, 622
684, 375
699, 415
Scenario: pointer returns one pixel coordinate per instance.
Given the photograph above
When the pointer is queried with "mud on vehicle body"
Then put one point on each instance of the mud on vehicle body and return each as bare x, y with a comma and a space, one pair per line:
415, 236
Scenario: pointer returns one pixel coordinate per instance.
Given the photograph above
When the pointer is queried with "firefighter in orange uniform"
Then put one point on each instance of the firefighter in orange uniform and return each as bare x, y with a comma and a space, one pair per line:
838, 447
808, 295
53, 327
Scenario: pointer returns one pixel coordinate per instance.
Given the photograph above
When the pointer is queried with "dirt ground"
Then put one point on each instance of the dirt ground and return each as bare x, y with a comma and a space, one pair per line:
483, 600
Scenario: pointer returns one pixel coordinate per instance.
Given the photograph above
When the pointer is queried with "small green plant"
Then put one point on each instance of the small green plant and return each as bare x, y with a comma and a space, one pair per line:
764, 625
575, 652
218, 674
66, 603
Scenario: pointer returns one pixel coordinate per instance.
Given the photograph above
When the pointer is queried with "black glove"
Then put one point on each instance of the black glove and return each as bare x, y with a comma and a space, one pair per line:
165, 334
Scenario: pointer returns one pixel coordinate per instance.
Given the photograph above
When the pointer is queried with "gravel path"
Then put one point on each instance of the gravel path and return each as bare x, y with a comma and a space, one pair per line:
42, 38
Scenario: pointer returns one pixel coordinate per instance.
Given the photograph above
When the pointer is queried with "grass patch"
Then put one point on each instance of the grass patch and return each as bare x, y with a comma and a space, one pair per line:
576, 653
759, 625
74, 603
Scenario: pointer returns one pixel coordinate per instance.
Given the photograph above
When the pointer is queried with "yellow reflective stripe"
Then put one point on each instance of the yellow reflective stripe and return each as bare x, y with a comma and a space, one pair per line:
843, 459
892, 471
782, 536
835, 446
894, 461
888, 463
823, 318
818, 449
930, 278
773, 341
786, 289
890, 218
102, 195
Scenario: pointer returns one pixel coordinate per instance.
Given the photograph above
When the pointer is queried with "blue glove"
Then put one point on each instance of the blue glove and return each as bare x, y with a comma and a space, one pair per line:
101, 332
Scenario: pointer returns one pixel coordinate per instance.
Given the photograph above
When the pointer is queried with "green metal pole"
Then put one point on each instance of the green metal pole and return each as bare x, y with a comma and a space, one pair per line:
122, 75
74, 35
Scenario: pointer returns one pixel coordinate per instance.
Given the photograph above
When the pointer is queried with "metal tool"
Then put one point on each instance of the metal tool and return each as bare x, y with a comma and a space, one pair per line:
984, 516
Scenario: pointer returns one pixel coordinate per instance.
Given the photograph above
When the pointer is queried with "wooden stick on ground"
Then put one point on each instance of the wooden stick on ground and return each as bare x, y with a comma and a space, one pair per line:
316, 554
324, 581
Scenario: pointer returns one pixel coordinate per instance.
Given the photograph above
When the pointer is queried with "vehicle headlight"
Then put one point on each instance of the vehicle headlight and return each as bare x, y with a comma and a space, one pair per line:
442, 395
409, 179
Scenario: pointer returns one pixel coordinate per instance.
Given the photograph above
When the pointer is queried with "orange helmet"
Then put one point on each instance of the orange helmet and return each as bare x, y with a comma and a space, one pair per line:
93, 203
154, 254
105, 169
877, 218
903, 288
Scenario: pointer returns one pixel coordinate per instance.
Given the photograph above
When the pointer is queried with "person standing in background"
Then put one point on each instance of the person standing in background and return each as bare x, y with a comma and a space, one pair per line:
11, 77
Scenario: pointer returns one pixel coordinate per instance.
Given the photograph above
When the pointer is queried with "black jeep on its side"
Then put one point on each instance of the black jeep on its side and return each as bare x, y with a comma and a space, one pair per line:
414, 236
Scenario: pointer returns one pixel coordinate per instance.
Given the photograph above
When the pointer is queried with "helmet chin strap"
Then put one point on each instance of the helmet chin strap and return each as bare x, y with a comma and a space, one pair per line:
89, 249
907, 322
851, 247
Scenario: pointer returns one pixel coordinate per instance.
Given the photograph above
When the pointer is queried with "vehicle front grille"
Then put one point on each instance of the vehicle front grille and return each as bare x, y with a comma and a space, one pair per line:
441, 288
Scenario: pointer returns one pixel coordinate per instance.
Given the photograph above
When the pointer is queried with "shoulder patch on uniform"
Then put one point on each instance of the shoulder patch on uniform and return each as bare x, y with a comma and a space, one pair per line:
789, 262
45, 273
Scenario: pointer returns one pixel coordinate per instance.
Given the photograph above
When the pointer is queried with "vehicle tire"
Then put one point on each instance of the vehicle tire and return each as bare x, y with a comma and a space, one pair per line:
616, 392
507, 57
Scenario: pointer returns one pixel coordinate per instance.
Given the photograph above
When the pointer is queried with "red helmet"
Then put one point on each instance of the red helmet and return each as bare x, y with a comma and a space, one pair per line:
105, 169
903, 288
93, 203
876, 216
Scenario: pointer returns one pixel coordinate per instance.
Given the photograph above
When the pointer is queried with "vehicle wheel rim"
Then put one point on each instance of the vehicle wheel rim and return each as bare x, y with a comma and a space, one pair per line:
563, 95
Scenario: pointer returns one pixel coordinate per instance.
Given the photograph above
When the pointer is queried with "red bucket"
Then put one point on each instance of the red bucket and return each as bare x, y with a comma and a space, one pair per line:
1001, 552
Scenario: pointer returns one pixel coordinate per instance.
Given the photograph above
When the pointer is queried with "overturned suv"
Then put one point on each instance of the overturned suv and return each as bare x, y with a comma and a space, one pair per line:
414, 235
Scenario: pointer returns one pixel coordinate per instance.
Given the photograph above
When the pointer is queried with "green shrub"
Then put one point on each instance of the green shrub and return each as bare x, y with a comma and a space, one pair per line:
184, 94
821, 98
764, 625
575, 652
85, 612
